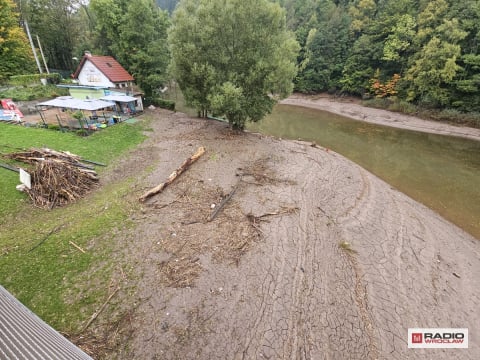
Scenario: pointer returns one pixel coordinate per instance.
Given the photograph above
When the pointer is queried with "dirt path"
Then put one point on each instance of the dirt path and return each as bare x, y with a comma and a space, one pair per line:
352, 109
312, 258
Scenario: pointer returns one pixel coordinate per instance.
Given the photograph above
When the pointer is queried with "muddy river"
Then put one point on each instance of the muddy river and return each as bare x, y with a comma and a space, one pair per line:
439, 171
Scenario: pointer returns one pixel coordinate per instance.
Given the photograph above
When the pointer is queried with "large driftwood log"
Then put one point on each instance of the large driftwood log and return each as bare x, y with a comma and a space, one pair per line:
159, 188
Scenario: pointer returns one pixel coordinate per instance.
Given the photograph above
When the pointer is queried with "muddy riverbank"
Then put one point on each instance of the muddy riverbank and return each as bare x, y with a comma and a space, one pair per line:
313, 257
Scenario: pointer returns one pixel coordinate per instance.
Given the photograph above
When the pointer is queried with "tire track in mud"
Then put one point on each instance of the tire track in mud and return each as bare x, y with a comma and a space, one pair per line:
399, 243
319, 302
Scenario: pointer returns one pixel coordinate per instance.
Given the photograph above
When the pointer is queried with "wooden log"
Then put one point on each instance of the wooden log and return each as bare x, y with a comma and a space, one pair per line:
186, 164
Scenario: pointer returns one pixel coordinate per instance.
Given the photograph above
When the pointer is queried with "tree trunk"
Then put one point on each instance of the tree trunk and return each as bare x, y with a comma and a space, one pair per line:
186, 164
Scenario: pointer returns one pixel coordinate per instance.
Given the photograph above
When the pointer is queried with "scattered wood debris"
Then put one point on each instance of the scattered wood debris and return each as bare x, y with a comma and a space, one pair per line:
58, 178
284, 210
186, 164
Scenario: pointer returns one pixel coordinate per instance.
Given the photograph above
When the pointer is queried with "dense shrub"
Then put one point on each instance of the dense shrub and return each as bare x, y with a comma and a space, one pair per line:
53, 127
33, 92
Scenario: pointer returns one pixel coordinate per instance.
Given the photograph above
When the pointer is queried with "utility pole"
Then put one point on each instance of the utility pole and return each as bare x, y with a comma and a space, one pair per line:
33, 47
41, 52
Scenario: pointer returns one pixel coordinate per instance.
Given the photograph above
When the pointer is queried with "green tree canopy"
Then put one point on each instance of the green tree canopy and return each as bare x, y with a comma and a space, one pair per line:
56, 23
435, 65
142, 45
322, 30
232, 57
107, 16
16, 57
135, 33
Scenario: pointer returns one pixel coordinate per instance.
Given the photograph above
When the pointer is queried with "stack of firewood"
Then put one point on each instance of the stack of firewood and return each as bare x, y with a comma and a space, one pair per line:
57, 178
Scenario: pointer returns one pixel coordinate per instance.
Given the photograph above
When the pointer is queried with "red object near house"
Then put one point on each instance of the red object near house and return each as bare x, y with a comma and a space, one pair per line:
8, 104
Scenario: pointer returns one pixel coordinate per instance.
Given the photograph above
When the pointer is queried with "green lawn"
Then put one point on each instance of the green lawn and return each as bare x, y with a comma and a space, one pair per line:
37, 262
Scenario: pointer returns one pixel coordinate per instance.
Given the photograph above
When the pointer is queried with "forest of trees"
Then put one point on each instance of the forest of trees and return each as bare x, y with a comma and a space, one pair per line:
420, 51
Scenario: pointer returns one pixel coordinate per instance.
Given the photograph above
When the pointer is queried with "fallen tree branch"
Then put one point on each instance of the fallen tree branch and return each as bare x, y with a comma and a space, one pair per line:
215, 212
99, 311
186, 164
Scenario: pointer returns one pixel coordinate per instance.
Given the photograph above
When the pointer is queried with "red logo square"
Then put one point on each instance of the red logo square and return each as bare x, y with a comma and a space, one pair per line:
417, 338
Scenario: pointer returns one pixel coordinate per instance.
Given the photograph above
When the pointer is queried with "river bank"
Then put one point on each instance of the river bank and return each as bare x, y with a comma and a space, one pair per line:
312, 257
352, 108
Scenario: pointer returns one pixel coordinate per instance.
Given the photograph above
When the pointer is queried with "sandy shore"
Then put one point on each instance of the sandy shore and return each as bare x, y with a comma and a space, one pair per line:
312, 258
354, 110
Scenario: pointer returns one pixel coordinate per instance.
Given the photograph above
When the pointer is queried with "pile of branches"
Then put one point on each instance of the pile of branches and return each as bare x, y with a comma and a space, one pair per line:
58, 178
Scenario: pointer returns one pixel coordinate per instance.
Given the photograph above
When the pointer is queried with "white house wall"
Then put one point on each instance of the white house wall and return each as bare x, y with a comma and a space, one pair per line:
90, 75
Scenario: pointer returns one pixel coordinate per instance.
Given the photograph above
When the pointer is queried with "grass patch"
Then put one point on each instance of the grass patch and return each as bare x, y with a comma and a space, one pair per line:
44, 271
102, 146
453, 116
37, 263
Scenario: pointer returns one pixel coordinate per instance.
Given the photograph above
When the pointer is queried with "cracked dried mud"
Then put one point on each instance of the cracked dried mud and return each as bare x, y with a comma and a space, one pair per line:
312, 258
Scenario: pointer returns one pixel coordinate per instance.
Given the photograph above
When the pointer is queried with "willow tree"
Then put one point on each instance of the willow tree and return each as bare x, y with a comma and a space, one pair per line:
232, 58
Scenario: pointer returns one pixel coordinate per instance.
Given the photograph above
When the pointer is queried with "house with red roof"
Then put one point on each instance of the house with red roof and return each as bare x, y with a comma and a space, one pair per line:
102, 71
